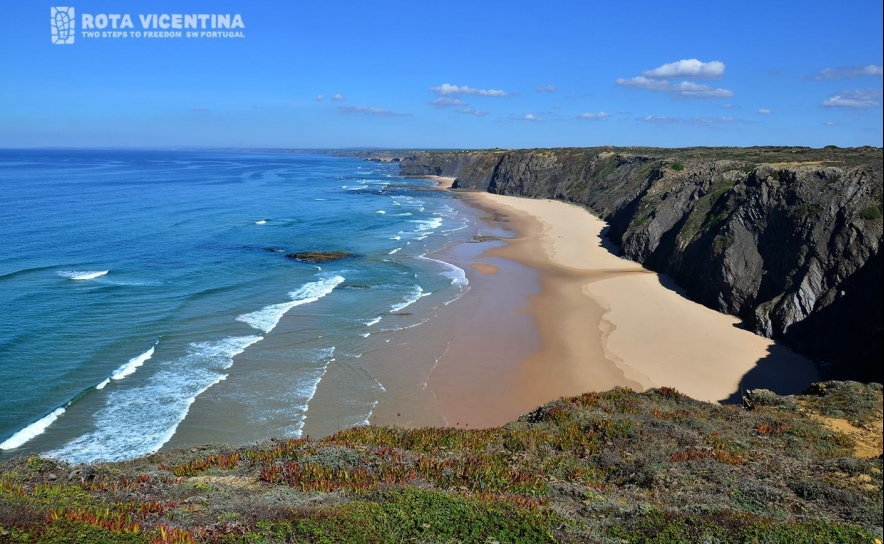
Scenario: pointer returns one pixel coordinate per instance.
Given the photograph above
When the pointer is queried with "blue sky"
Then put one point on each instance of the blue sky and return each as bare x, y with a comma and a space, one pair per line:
452, 75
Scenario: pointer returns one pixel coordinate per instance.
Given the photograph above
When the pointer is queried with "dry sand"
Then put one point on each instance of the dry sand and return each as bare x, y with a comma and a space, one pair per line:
606, 321
442, 182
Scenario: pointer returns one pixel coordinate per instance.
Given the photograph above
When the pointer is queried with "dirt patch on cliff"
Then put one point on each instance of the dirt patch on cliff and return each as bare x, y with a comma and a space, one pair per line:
868, 438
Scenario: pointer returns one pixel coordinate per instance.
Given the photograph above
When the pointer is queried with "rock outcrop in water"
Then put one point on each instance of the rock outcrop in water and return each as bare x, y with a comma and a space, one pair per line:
318, 256
788, 239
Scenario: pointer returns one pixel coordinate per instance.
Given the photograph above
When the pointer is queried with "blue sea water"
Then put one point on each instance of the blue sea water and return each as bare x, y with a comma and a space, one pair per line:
131, 282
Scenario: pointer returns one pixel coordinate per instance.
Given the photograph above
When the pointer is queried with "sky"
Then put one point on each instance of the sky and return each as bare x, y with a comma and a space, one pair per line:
453, 74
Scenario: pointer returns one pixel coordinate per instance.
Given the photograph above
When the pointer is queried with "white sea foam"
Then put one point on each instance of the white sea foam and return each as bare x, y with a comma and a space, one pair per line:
380, 212
365, 334
34, 429
394, 250
416, 293
396, 238
406, 214
455, 273
129, 368
136, 421
370, 413
309, 389
428, 224
268, 317
371, 322
413, 325
261, 222
133, 364
82, 274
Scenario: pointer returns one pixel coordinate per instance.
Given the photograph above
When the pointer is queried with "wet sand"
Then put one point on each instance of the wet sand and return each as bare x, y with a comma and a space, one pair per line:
485, 268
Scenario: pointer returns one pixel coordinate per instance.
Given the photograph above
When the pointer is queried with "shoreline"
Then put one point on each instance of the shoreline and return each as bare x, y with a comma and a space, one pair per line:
443, 183
601, 322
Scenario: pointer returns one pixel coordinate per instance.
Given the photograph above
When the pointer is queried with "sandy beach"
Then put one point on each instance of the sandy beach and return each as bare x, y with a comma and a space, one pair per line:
442, 182
602, 322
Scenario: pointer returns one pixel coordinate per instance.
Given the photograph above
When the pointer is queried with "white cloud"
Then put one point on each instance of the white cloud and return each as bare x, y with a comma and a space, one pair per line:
691, 68
320, 97
380, 112
850, 71
713, 120
443, 102
526, 117
339, 97
865, 98
660, 120
546, 89
658, 79
700, 121
471, 111
456, 90
593, 116
764, 111
642, 82
688, 89
685, 89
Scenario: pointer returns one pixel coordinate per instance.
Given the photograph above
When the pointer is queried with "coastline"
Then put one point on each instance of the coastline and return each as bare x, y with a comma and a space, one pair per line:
443, 183
601, 322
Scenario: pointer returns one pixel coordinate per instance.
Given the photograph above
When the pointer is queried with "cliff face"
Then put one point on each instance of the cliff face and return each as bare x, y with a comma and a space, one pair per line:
788, 239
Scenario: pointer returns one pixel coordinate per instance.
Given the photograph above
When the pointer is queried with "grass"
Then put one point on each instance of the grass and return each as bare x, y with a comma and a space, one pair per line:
599, 467
707, 213
871, 213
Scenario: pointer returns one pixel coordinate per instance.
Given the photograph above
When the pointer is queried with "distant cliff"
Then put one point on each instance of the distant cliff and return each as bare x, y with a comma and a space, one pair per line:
788, 239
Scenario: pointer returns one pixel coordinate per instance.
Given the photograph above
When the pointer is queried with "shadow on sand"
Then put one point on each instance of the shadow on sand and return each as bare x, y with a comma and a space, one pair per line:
782, 370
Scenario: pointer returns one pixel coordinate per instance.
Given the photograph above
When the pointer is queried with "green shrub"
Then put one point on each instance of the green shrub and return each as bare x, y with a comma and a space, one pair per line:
426, 516
871, 213
678, 167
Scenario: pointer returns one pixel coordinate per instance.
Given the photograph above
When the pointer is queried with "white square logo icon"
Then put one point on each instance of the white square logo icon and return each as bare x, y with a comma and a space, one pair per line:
64, 25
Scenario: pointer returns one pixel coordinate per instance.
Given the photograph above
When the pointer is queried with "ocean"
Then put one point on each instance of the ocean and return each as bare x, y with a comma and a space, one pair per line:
137, 286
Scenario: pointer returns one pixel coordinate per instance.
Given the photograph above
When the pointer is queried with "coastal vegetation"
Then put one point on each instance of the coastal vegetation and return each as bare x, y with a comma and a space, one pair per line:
609, 467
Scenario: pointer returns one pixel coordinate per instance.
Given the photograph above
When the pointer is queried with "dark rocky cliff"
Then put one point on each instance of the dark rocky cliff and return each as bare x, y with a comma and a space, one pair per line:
788, 239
